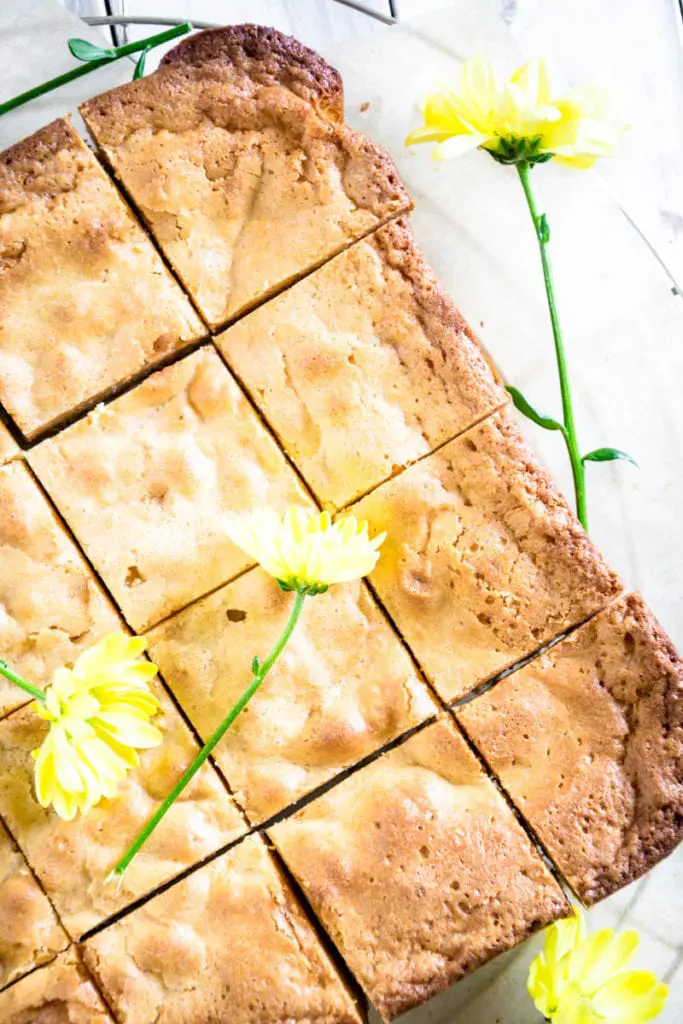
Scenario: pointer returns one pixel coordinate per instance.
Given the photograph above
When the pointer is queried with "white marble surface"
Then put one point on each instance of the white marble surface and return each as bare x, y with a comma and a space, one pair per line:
623, 323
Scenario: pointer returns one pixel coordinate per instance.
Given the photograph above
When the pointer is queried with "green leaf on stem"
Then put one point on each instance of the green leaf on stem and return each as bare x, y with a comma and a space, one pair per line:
255, 665
81, 49
608, 455
140, 66
520, 402
543, 229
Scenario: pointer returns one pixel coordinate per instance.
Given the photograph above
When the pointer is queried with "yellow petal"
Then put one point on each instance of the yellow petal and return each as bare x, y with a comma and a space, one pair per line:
534, 81
633, 997
600, 956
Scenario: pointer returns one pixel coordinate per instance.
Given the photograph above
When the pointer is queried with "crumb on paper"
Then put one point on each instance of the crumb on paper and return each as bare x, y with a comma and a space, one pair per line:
364, 106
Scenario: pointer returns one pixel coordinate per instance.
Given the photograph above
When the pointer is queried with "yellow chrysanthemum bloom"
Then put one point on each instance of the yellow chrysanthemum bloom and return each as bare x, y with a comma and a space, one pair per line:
581, 979
305, 550
520, 121
99, 714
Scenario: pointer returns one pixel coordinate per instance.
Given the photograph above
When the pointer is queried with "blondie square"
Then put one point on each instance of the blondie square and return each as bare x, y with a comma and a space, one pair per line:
30, 933
484, 560
146, 481
85, 300
61, 993
8, 446
236, 155
588, 741
228, 943
51, 606
343, 687
418, 869
73, 858
363, 367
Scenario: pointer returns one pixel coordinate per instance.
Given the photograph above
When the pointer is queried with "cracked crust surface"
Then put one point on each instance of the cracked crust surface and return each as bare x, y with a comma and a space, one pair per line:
51, 606
30, 934
588, 741
229, 943
367, 347
73, 858
85, 300
418, 869
61, 993
145, 482
234, 153
484, 560
8, 446
343, 687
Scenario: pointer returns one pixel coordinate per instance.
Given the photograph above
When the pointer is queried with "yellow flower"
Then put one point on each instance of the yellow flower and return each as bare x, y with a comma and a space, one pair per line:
520, 121
305, 550
581, 979
99, 714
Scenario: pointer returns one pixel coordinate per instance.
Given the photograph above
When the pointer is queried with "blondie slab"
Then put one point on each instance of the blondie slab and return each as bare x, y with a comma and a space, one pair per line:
418, 869
146, 481
363, 367
236, 154
51, 606
73, 858
85, 300
8, 446
229, 943
343, 687
30, 933
588, 742
484, 560
61, 993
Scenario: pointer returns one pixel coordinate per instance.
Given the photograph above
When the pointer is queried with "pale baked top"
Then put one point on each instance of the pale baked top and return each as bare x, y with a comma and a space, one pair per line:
343, 687
85, 300
363, 366
73, 858
8, 446
235, 154
484, 561
588, 741
230, 943
61, 993
146, 481
418, 869
51, 606
30, 933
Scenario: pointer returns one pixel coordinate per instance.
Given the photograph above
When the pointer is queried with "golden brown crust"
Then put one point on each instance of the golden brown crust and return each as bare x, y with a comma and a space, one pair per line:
30, 933
368, 346
86, 302
267, 56
418, 869
588, 741
484, 561
53, 608
145, 484
229, 943
8, 446
343, 688
72, 859
266, 185
61, 993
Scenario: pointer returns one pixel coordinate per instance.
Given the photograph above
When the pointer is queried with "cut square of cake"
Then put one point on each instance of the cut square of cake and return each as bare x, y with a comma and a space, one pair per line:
228, 943
8, 446
363, 367
60, 993
588, 741
30, 933
343, 687
72, 859
51, 606
418, 869
145, 484
236, 154
86, 302
484, 561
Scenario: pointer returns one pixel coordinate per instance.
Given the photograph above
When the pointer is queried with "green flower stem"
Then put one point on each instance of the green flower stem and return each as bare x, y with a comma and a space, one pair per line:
569, 432
262, 670
7, 672
85, 69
